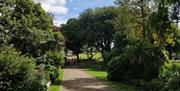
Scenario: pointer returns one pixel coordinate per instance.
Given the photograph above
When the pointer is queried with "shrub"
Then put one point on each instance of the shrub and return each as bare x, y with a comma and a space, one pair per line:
172, 81
138, 61
18, 72
114, 68
51, 59
54, 73
55, 58
51, 62
169, 81
107, 57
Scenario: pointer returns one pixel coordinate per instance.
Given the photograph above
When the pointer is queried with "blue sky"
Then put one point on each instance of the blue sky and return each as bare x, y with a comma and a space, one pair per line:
65, 9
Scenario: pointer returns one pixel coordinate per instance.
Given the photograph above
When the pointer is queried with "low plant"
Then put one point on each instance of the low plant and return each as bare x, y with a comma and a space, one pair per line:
51, 62
19, 73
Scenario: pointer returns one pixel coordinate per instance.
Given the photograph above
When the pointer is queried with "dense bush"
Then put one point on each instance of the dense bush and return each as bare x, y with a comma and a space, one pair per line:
51, 58
55, 58
51, 62
107, 56
138, 61
18, 73
54, 73
168, 81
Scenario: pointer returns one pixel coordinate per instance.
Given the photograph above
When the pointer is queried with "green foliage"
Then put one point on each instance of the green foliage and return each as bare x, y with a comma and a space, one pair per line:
98, 27
161, 31
18, 72
51, 62
107, 56
138, 61
55, 58
54, 73
127, 57
142, 44
73, 33
168, 81
28, 27
25, 25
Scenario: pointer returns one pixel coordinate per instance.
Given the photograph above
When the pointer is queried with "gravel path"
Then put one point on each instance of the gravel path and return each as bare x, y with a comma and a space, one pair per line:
75, 79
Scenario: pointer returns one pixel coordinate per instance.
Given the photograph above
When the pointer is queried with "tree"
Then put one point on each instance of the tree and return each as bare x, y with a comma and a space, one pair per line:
98, 25
4, 18
142, 56
86, 19
27, 26
140, 11
161, 25
104, 28
132, 56
73, 33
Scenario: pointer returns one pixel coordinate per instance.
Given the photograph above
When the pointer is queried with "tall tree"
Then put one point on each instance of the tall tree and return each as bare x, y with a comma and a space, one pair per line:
140, 11
143, 55
27, 25
161, 25
72, 32
99, 28
86, 19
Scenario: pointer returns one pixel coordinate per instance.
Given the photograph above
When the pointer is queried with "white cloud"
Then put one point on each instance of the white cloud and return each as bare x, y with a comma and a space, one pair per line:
54, 6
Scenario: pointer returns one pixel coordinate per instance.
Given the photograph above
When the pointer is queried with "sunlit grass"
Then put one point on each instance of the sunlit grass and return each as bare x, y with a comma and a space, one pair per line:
178, 65
97, 56
56, 86
94, 71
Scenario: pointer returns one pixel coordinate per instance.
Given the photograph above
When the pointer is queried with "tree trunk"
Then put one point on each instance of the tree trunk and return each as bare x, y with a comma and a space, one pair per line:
91, 53
91, 56
143, 20
78, 60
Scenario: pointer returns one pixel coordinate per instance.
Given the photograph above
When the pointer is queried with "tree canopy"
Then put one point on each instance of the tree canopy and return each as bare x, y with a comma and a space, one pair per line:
27, 26
27, 29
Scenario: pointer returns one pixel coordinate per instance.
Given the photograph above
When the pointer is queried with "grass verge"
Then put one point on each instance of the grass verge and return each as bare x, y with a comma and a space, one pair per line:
94, 71
56, 86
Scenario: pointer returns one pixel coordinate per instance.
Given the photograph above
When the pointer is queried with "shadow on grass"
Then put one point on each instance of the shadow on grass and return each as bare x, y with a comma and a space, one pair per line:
93, 69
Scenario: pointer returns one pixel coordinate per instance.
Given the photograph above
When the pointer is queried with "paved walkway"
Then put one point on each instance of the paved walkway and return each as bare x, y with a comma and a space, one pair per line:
75, 79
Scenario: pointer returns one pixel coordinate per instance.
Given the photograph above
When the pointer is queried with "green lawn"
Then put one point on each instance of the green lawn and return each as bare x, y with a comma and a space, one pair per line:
178, 65
97, 56
56, 86
102, 75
